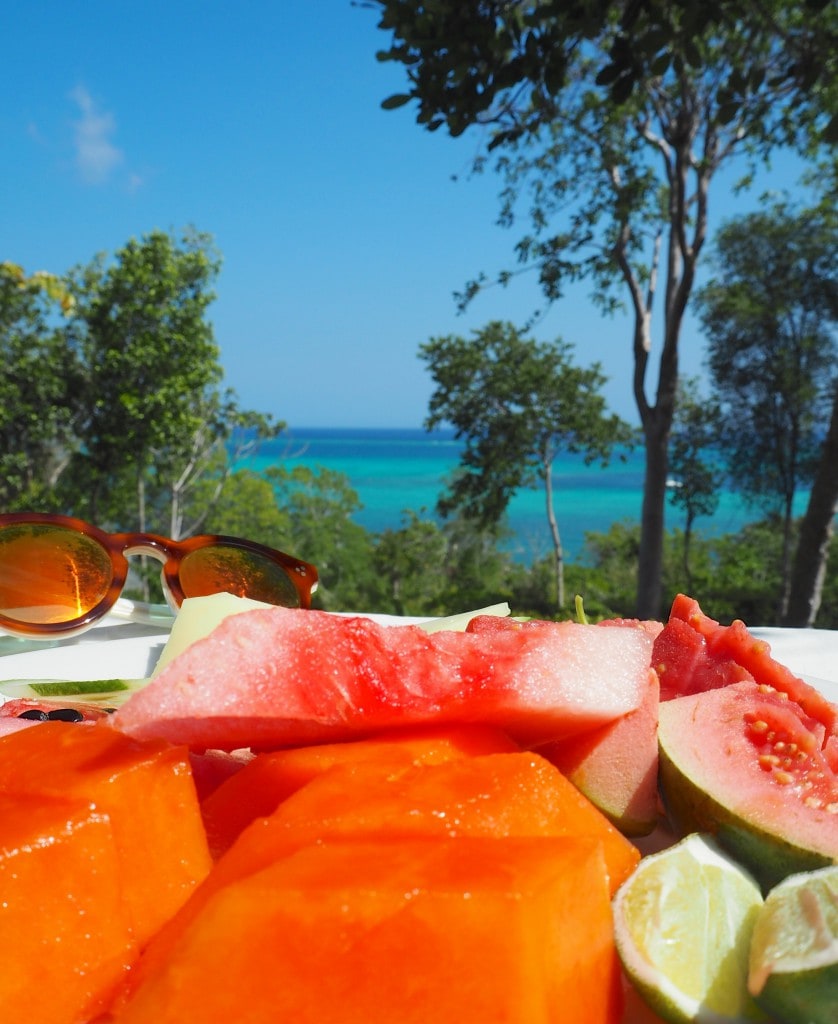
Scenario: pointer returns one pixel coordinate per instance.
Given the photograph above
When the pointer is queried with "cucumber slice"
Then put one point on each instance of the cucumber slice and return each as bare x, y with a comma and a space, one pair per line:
94, 691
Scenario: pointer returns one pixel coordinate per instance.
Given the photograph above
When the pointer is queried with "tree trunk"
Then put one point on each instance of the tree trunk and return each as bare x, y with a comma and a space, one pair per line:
688, 533
785, 557
650, 559
554, 533
816, 530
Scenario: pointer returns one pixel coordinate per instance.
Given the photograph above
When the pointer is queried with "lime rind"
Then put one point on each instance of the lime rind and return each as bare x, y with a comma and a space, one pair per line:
794, 949
682, 925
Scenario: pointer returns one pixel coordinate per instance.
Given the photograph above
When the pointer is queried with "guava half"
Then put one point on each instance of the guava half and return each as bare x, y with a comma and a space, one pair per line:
747, 763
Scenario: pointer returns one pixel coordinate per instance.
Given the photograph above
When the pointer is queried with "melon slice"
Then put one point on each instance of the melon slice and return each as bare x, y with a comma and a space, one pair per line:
280, 677
616, 765
749, 764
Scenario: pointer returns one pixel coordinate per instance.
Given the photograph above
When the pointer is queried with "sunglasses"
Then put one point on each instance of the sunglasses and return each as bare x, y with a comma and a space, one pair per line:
59, 575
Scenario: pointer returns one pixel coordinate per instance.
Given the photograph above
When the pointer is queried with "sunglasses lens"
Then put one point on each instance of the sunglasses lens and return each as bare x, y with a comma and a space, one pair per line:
50, 573
222, 568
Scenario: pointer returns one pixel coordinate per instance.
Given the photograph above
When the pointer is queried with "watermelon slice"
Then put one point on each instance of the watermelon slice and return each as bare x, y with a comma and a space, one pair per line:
615, 765
694, 653
278, 677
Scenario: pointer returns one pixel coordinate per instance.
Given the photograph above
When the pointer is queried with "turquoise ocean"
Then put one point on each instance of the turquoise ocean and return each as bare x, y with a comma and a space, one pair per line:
394, 470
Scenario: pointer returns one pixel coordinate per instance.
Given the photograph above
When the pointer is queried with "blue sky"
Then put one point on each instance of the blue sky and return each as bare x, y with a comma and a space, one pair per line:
342, 230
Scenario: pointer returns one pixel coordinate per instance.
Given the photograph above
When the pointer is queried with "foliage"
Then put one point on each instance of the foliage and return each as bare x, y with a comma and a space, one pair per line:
770, 314
149, 357
189, 483
478, 571
517, 403
247, 507
320, 504
409, 567
466, 59
610, 561
615, 191
39, 388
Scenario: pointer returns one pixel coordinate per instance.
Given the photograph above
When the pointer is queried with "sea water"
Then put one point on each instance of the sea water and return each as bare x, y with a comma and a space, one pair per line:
395, 470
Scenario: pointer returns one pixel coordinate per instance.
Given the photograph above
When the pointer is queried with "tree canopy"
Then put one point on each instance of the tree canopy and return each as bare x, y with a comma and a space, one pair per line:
770, 313
615, 185
40, 387
517, 403
505, 64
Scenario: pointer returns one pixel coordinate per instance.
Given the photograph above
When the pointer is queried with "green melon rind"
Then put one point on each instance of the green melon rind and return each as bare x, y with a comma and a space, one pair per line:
769, 857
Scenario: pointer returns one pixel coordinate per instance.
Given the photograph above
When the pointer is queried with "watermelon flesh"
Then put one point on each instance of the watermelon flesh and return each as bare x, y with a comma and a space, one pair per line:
276, 677
694, 653
616, 764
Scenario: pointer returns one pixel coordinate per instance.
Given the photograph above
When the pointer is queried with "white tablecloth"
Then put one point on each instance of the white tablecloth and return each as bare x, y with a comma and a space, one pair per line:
811, 653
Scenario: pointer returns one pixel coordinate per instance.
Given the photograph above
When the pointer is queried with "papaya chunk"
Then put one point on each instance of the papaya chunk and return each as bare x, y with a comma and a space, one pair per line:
493, 795
65, 933
147, 793
453, 931
260, 787
517, 795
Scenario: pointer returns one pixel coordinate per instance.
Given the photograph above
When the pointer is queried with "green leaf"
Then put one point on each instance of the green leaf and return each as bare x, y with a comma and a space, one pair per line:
396, 101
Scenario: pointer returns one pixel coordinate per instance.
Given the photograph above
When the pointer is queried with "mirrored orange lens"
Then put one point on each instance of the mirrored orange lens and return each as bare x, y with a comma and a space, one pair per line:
222, 568
50, 573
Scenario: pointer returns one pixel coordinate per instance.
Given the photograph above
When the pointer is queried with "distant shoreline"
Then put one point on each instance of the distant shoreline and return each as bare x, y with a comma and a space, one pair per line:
394, 470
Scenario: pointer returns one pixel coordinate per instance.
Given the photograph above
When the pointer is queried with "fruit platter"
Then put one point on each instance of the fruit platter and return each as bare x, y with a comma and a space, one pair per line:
255, 814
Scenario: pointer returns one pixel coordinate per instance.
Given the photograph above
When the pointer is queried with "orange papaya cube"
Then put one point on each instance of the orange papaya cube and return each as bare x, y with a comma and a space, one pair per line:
507, 794
145, 789
261, 786
493, 796
460, 931
65, 935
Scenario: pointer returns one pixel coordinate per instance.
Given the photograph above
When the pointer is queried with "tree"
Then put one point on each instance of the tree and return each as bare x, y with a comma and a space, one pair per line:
626, 172
149, 359
517, 403
770, 314
817, 527
410, 566
695, 481
39, 387
466, 59
191, 482
320, 504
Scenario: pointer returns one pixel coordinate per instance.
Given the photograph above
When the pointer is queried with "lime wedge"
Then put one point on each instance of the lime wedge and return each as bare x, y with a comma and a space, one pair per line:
794, 949
682, 925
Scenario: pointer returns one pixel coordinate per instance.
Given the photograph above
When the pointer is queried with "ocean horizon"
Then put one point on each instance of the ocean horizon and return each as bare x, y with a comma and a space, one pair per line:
395, 470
